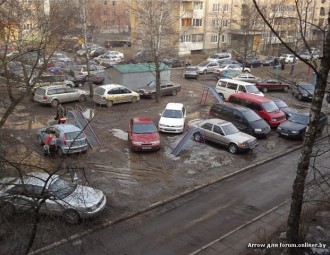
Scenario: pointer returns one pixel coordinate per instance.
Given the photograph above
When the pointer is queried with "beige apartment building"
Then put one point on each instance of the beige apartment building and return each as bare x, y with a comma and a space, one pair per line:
220, 25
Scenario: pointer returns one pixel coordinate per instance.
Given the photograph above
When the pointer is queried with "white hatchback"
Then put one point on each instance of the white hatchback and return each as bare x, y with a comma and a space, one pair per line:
172, 119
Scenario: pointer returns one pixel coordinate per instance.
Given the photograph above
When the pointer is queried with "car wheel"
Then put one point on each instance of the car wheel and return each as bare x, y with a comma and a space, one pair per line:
7, 209
232, 148
246, 71
109, 104
197, 137
82, 98
134, 100
153, 95
300, 97
264, 90
69, 85
286, 89
205, 72
174, 93
71, 216
54, 103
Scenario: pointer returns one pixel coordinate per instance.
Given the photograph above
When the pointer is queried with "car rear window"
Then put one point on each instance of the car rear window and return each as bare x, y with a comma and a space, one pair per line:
40, 92
99, 91
74, 135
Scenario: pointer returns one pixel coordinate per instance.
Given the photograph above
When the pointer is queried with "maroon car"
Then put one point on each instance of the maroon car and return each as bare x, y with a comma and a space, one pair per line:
143, 134
266, 85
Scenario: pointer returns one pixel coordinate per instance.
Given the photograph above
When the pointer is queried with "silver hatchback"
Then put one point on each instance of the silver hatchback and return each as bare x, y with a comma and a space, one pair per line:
223, 133
53, 95
52, 195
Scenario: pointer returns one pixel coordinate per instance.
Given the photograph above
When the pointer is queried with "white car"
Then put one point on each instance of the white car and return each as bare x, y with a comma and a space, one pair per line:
230, 67
110, 61
172, 119
207, 67
219, 56
288, 58
246, 77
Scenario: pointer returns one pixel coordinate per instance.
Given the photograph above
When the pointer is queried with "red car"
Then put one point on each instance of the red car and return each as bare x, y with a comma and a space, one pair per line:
266, 85
143, 134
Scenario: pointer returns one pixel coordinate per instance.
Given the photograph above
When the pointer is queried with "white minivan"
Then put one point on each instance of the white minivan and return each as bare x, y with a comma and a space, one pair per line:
226, 87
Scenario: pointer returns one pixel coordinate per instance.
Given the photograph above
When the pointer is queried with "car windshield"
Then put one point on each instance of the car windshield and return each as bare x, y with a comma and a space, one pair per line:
152, 84
251, 88
176, 114
281, 104
204, 63
270, 106
144, 128
299, 118
251, 116
62, 188
229, 129
307, 87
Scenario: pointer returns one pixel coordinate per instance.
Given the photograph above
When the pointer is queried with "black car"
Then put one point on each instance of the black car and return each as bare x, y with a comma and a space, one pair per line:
253, 62
245, 119
296, 125
303, 91
269, 61
173, 62
285, 108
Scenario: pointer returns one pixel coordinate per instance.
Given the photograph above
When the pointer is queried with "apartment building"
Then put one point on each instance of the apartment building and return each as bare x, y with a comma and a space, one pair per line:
219, 25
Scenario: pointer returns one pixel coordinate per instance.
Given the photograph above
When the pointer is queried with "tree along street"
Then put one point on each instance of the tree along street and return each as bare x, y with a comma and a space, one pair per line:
192, 221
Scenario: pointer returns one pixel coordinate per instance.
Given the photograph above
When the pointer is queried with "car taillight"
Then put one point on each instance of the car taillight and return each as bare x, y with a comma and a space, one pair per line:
64, 139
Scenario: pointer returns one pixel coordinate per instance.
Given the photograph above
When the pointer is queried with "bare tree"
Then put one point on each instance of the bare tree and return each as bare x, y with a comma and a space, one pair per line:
309, 140
155, 31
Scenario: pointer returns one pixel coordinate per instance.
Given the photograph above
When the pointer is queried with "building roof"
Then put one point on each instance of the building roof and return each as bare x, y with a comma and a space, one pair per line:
139, 68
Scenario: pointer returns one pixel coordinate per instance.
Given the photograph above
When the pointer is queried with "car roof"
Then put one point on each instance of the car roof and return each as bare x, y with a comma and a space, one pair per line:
234, 106
174, 106
112, 86
67, 128
236, 81
251, 97
53, 87
142, 120
217, 121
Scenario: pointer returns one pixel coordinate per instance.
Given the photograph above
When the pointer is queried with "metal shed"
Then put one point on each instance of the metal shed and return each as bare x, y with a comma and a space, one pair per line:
136, 76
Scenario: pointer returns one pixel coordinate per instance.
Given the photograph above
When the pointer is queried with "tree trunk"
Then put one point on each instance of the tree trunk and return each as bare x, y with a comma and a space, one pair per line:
293, 229
157, 71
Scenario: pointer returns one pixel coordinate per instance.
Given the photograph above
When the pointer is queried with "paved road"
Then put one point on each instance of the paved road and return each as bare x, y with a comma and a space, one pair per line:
192, 221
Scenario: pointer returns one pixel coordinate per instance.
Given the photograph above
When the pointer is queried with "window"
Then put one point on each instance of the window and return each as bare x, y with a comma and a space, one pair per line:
113, 2
226, 7
186, 22
232, 86
215, 23
207, 126
186, 38
105, 12
223, 38
217, 130
198, 5
197, 22
197, 38
224, 22
214, 38
105, 23
216, 7
322, 11
105, 2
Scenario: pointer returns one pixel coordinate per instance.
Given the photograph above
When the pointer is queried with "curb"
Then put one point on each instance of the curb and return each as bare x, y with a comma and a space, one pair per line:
163, 202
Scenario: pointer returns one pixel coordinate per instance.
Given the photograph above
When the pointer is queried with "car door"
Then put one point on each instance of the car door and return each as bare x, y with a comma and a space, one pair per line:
125, 95
207, 131
113, 95
163, 88
71, 94
211, 67
218, 136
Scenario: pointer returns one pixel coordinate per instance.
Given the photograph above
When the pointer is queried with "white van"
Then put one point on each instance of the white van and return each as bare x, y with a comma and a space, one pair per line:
226, 87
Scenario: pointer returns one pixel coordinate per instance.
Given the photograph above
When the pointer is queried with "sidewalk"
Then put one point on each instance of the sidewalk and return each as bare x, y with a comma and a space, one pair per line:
256, 232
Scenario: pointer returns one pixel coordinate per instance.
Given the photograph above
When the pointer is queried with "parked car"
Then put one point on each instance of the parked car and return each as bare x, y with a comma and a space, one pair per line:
54, 95
172, 119
49, 80
288, 58
143, 134
266, 85
247, 77
172, 62
95, 52
191, 72
80, 71
166, 88
117, 43
59, 196
303, 91
263, 106
269, 61
310, 55
296, 125
285, 108
253, 62
223, 133
222, 69
113, 94
245, 119
69, 138
207, 67
227, 87
110, 61
219, 56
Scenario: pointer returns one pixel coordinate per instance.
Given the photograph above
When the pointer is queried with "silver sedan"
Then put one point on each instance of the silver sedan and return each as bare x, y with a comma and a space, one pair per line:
52, 194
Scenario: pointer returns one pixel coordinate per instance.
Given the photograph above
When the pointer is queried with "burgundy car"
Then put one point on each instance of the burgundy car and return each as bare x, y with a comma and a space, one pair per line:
266, 85
143, 134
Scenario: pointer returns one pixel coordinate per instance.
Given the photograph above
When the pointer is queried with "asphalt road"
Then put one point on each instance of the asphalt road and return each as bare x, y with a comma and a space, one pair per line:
188, 223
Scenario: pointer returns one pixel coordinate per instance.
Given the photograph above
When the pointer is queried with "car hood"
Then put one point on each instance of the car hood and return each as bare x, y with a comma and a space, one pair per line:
171, 121
259, 124
146, 138
307, 91
289, 125
84, 196
289, 111
241, 137
146, 89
